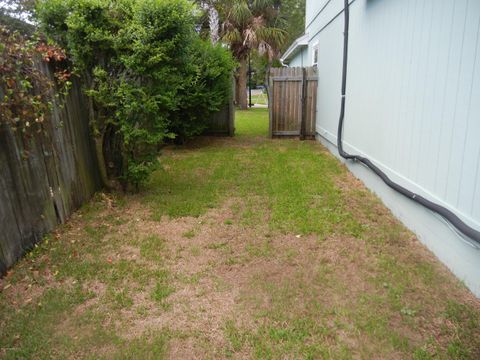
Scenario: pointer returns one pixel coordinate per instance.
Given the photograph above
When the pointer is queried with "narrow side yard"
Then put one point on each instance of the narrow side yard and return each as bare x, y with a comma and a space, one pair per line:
238, 248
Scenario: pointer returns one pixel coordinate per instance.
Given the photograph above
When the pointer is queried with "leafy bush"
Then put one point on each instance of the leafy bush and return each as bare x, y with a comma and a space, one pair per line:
148, 74
207, 86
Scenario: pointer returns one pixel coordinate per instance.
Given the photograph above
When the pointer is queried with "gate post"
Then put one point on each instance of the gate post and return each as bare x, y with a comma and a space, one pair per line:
303, 123
270, 102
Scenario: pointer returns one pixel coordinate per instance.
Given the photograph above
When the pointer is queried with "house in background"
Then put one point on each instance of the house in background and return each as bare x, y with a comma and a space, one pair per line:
297, 54
412, 108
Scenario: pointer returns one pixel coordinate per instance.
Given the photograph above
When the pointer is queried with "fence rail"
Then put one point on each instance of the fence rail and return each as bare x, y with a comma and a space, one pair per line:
293, 100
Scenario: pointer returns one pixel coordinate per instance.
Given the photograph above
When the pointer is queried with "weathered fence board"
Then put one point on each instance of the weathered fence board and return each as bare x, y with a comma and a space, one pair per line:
223, 122
292, 98
44, 179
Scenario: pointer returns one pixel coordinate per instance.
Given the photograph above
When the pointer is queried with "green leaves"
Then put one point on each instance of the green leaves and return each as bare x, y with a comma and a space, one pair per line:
241, 13
150, 77
251, 25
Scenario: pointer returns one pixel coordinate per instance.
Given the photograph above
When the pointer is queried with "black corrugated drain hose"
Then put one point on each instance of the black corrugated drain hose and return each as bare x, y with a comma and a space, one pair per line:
444, 212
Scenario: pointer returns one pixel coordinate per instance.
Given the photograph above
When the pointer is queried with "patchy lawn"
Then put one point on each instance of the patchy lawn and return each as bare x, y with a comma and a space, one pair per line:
237, 248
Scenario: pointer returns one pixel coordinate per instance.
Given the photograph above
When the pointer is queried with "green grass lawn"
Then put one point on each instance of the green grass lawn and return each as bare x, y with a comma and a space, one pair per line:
260, 99
251, 123
241, 247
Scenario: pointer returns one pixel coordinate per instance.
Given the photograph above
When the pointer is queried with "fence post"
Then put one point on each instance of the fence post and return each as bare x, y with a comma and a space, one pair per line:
231, 111
270, 103
303, 123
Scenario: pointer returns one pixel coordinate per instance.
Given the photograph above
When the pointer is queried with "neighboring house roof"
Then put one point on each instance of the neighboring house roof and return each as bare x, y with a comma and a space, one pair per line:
294, 49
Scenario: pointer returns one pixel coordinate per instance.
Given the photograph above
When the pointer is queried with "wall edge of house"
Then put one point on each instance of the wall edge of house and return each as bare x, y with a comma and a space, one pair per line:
458, 255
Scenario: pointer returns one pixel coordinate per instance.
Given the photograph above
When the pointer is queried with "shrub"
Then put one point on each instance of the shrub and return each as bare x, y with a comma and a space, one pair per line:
146, 71
207, 87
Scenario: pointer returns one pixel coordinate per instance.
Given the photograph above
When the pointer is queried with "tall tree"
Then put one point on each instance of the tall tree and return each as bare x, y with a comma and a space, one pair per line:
213, 18
250, 25
293, 14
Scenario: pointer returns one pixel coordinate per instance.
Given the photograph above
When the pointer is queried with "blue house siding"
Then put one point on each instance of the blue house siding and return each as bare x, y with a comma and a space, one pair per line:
413, 107
300, 59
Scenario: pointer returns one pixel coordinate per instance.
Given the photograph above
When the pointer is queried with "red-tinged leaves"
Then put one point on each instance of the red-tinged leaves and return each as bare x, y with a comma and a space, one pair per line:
10, 83
51, 53
26, 91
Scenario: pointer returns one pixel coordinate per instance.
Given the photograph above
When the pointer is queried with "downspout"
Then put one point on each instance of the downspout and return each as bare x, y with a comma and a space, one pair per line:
444, 212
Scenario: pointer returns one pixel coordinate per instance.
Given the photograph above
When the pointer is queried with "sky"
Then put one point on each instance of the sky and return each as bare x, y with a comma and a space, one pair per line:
4, 5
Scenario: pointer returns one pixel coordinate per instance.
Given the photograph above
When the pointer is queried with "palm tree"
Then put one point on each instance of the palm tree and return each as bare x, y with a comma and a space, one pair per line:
250, 25
213, 18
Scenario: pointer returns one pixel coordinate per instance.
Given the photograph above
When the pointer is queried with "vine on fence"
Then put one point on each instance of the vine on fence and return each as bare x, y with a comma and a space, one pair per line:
26, 93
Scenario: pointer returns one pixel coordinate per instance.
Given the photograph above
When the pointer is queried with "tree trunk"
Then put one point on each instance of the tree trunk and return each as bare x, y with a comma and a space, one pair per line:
98, 139
237, 89
242, 84
101, 163
267, 80
213, 23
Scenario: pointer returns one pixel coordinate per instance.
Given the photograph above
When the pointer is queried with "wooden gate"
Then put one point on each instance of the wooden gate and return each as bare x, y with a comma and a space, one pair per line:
293, 102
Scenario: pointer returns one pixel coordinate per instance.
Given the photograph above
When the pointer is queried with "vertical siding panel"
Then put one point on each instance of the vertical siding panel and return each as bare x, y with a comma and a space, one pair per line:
406, 118
470, 161
391, 23
442, 121
412, 72
462, 100
424, 95
400, 81
442, 16
422, 26
452, 88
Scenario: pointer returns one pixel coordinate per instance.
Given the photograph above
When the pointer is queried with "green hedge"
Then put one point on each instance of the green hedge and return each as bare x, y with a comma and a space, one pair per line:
148, 74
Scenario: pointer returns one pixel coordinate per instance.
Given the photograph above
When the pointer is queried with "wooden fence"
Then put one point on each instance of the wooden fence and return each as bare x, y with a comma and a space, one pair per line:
60, 173
293, 102
222, 123
44, 179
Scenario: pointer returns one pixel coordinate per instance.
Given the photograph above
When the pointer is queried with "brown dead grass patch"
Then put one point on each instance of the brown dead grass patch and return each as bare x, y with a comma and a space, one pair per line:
216, 286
